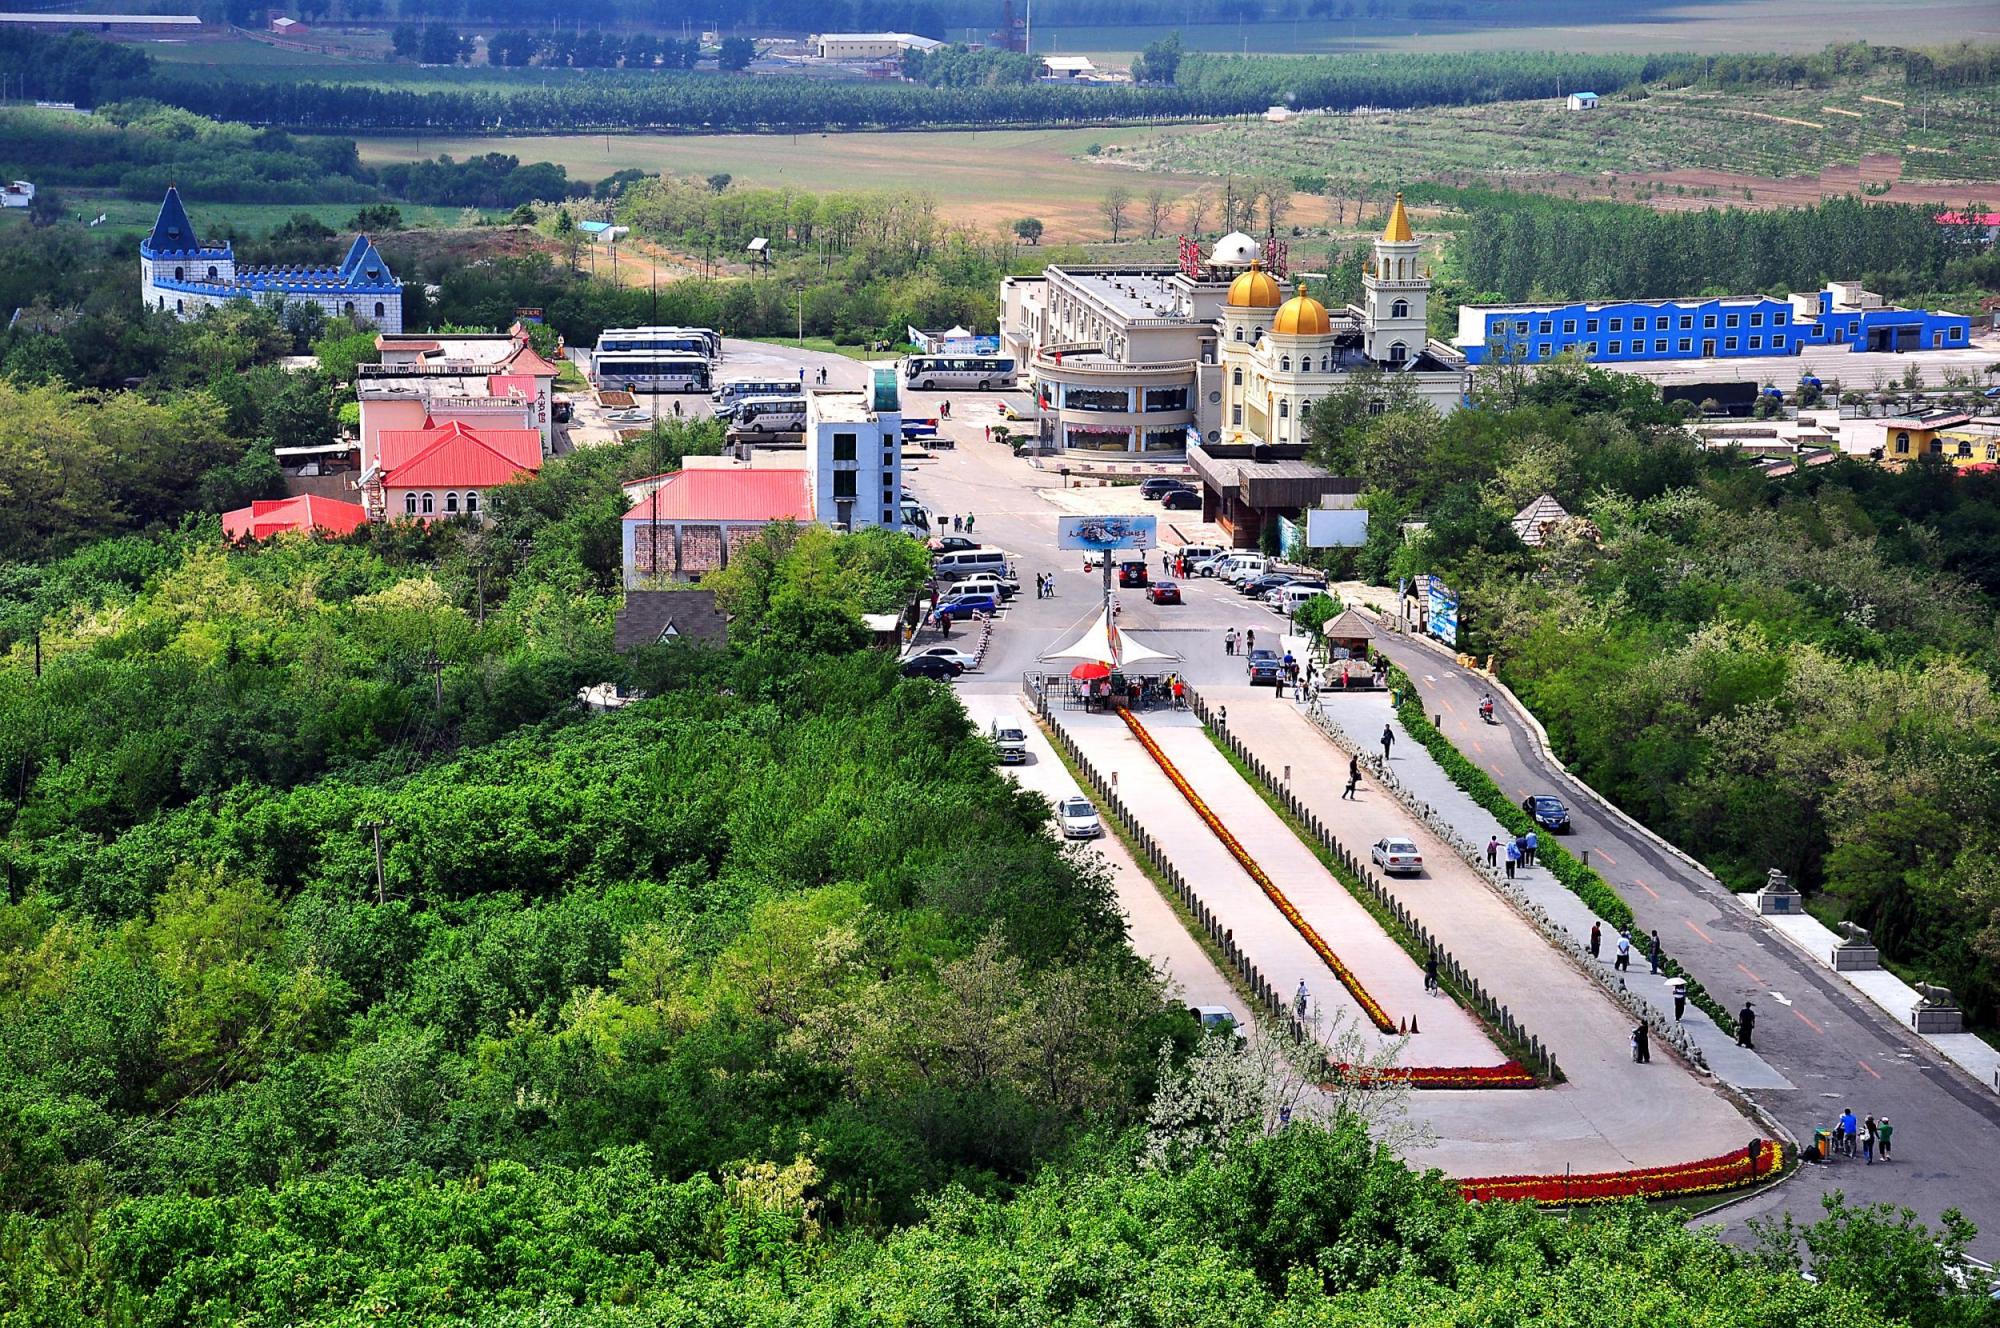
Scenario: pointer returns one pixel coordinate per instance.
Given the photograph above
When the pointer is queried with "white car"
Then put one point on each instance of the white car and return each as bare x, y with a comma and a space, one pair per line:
1216, 1018
1078, 818
963, 659
1398, 857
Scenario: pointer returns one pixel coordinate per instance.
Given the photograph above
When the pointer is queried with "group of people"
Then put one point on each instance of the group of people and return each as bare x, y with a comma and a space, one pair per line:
962, 521
1045, 585
1866, 1138
1231, 639
1520, 854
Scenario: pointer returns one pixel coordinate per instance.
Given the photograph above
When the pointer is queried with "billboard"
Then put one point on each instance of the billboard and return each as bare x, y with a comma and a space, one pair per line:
1336, 527
1099, 533
1442, 619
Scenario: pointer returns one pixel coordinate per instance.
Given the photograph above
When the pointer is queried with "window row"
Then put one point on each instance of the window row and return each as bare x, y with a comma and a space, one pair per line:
1658, 323
425, 504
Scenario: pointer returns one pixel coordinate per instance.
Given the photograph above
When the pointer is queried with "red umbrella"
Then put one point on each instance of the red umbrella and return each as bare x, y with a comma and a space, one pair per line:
1090, 671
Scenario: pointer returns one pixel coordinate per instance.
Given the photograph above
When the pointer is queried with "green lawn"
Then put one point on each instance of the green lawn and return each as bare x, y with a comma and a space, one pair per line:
134, 218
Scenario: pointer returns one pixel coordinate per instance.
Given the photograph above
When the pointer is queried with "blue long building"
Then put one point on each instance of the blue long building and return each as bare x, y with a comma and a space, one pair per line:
181, 275
1638, 331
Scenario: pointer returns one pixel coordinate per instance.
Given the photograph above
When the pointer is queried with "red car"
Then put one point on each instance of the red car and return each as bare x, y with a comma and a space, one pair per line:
1164, 592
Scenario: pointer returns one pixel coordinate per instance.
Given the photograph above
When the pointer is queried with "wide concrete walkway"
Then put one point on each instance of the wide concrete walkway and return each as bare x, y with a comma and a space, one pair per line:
1449, 1037
1611, 1112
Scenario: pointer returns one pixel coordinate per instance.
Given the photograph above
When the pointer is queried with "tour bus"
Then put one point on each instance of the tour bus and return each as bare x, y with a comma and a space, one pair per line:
977, 371
728, 394
676, 340
767, 415
650, 371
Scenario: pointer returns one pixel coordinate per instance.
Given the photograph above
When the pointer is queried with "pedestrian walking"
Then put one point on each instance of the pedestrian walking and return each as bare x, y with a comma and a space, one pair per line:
1596, 937
1513, 858
1180, 693
1529, 844
1868, 1141
1882, 1134
1847, 1131
677, 410
1431, 978
1680, 999
1624, 960
1746, 1020
1299, 1000
1653, 952
1642, 1046
968, 523
944, 410
1249, 639
1492, 851
957, 521
1388, 741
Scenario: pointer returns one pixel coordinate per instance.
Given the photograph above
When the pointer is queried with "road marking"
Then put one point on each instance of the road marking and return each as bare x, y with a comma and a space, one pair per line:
1450, 674
1698, 931
1753, 977
1447, 705
1647, 888
1809, 1023
1614, 862
1430, 677
1780, 998
1866, 1066
1477, 748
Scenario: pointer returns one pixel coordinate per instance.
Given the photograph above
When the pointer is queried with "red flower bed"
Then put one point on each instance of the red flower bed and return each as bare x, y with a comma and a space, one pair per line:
1376, 1014
1727, 1172
1507, 1075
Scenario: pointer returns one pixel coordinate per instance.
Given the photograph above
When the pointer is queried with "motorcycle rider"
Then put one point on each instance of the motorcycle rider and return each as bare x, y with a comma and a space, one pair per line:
1486, 710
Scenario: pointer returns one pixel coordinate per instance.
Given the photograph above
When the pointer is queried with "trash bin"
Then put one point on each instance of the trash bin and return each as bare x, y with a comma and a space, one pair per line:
1822, 1144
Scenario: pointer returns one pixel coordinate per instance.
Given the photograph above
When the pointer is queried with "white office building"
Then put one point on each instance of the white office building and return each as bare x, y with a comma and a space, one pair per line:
854, 455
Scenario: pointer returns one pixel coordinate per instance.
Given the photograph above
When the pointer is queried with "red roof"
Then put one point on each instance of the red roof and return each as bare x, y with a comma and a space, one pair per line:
463, 458
729, 496
1968, 218
397, 448
520, 385
385, 341
267, 517
525, 361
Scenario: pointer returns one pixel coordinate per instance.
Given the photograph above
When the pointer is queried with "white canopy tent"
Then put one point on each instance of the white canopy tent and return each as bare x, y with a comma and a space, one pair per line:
1102, 643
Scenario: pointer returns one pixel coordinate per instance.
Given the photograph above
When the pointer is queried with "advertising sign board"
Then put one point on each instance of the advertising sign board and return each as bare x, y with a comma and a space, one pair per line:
1442, 621
1101, 533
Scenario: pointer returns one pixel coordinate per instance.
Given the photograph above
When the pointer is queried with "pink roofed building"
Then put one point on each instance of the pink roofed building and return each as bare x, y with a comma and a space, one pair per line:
445, 470
691, 521
306, 512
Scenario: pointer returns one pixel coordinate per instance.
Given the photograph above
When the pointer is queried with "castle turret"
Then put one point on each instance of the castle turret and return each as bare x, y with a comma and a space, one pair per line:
1396, 294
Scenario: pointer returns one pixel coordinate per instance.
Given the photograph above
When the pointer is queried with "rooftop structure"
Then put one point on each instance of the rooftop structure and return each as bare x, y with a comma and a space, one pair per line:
658, 617
869, 45
306, 512
102, 24
693, 520
443, 471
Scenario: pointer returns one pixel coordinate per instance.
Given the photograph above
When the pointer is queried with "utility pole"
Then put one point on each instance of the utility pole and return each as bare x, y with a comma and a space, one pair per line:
436, 668
375, 828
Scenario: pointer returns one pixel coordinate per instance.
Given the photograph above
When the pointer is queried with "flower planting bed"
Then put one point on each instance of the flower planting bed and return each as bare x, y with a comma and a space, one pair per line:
1376, 1014
1708, 1176
1509, 1074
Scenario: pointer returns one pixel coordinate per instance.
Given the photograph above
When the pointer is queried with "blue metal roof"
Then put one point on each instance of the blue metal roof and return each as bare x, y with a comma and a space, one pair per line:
174, 235
362, 272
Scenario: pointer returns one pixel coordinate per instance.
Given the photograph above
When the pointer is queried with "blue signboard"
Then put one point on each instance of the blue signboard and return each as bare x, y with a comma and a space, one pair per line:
1100, 533
1442, 620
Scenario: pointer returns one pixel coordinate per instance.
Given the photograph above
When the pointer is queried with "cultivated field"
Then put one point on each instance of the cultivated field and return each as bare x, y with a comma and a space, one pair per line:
985, 179
1672, 149
129, 217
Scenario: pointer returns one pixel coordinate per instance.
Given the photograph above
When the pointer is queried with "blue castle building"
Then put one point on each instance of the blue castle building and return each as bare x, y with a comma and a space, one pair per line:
177, 272
1641, 331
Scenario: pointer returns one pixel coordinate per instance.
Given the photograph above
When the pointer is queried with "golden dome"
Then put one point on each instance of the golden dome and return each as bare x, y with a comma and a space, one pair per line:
1301, 316
1398, 230
1255, 289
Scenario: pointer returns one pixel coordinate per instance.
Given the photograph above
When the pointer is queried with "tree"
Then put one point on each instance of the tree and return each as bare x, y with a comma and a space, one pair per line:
1114, 204
440, 45
737, 53
1029, 229
1158, 211
377, 217
1160, 62
1199, 204
405, 41
719, 181
45, 208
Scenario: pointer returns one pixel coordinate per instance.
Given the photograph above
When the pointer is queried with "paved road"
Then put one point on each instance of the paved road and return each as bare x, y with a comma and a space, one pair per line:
1836, 1048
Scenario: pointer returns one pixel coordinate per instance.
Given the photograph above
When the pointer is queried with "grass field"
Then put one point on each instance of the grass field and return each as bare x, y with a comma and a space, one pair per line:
987, 178
129, 218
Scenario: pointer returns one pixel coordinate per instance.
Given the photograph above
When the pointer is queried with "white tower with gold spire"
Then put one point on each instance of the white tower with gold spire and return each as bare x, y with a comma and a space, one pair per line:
1396, 294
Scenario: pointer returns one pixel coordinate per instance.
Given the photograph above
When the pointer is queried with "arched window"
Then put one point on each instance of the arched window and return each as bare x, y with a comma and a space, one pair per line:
180, 274
430, 504
1902, 442
472, 501
1377, 406
212, 273
1236, 377
1284, 364
179, 307
348, 308
380, 308
1398, 352
1284, 410
1239, 334
1400, 309
451, 504
1326, 364
409, 504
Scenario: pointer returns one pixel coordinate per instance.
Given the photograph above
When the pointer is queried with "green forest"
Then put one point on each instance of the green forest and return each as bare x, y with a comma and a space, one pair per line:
1708, 646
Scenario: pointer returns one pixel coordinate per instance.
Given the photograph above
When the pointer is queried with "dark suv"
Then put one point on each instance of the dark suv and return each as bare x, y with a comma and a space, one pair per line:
1132, 574
1160, 486
1264, 666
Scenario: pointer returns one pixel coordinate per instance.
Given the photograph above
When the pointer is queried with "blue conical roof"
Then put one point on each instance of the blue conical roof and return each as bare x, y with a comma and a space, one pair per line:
172, 230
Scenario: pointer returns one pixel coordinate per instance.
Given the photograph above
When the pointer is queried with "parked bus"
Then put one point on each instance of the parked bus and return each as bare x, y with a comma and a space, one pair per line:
700, 341
728, 394
767, 415
978, 371
651, 371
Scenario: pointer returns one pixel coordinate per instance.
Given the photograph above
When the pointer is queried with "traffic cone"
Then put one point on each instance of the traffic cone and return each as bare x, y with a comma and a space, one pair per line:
1403, 1028
1413, 1024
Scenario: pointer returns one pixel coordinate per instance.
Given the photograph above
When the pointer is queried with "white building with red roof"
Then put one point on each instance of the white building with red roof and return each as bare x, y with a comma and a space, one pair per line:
444, 470
689, 522
486, 379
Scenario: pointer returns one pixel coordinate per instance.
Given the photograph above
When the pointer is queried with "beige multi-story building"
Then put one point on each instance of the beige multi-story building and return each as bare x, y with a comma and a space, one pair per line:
1150, 362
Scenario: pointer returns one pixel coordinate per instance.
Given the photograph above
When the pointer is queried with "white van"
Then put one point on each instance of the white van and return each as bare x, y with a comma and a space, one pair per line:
997, 583
728, 394
768, 415
1287, 599
1238, 567
982, 559
1195, 553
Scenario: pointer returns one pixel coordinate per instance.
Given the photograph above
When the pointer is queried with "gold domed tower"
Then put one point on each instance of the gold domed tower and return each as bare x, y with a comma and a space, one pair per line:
1255, 289
1301, 316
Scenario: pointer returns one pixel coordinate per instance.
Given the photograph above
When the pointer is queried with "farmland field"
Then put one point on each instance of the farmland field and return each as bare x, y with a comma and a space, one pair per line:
133, 218
985, 178
1672, 148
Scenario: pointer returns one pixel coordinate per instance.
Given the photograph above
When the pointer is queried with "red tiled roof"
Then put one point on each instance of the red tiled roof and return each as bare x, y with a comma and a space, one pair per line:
525, 361
399, 447
729, 496
386, 341
520, 385
267, 517
463, 458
